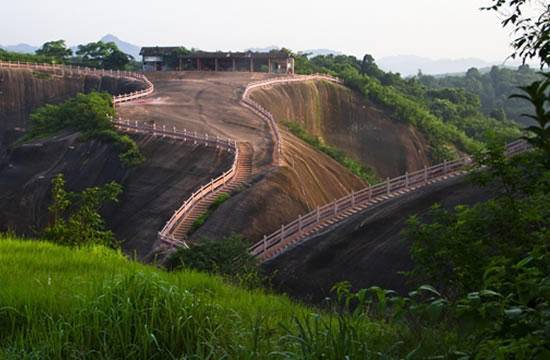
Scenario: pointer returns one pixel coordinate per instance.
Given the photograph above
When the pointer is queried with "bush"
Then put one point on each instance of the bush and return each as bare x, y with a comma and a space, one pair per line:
89, 114
75, 218
228, 257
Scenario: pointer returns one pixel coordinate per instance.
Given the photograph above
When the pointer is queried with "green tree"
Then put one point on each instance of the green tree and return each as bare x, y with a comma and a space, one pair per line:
74, 217
532, 33
102, 55
56, 50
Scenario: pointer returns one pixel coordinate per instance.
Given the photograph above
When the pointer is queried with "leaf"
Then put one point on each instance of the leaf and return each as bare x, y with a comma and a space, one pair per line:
513, 313
430, 289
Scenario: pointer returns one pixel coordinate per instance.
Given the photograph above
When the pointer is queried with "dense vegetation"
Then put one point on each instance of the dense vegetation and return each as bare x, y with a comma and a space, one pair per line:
493, 89
91, 115
355, 167
450, 118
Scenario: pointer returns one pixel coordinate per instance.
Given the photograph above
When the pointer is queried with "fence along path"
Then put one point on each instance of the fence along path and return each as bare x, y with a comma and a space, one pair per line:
69, 70
166, 235
324, 217
266, 115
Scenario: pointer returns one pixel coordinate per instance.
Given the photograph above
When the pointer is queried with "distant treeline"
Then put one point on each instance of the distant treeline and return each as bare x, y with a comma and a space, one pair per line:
101, 55
493, 89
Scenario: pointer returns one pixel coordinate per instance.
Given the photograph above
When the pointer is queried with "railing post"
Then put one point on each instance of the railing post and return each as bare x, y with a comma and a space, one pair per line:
353, 199
406, 179
425, 174
136, 126
445, 167
388, 186
335, 207
154, 128
370, 192
206, 139
163, 130
265, 243
175, 132
318, 214
300, 225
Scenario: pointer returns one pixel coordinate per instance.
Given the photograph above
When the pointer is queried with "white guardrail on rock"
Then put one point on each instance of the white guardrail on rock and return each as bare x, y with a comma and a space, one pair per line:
266, 115
70, 70
295, 232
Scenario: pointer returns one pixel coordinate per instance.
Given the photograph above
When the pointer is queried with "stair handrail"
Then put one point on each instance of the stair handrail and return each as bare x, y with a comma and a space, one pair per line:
408, 181
166, 235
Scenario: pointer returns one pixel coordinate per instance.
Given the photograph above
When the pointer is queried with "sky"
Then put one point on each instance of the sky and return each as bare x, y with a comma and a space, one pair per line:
429, 28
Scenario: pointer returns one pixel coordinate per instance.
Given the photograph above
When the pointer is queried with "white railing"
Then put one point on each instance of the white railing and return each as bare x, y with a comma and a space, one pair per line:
70, 70
166, 235
265, 114
275, 243
173, 133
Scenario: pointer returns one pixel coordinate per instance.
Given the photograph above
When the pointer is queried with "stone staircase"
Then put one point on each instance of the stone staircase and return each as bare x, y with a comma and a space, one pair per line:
244, 171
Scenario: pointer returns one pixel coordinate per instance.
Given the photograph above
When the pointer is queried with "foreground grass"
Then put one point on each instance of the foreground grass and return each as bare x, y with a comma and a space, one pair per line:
63, 303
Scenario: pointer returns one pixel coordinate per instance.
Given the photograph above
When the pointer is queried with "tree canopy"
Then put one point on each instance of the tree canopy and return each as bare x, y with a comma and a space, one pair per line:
56, 50
102, 55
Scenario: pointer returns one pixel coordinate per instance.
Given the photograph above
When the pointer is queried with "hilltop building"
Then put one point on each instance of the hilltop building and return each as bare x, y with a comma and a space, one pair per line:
180, 59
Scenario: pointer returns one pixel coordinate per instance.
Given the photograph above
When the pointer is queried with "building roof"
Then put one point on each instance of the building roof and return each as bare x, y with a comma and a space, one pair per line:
161, 51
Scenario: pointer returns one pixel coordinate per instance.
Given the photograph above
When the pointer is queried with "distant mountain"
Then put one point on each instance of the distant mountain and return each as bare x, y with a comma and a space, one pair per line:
408, 65
124, 46
20, 48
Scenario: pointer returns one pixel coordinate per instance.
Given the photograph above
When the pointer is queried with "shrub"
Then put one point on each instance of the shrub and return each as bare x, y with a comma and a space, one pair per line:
89, 114
228, 257
75, 218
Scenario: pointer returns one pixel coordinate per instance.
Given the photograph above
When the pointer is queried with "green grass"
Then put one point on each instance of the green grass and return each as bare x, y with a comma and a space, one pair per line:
62, 303
365, 173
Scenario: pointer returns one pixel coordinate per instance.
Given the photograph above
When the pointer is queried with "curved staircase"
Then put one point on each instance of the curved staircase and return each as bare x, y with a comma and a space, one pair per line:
244, 170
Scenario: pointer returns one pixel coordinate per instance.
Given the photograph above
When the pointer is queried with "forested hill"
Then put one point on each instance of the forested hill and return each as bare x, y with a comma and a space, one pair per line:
493, 89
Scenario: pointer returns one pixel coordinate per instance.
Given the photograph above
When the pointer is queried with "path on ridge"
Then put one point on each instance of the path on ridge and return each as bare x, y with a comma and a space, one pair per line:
205, 102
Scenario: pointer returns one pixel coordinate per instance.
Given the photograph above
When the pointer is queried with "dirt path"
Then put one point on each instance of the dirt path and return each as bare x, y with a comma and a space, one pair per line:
206, 103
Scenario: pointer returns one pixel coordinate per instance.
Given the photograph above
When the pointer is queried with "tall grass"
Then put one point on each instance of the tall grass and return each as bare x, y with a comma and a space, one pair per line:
63, 303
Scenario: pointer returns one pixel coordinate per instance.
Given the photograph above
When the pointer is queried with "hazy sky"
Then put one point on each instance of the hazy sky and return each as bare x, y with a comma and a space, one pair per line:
431, 28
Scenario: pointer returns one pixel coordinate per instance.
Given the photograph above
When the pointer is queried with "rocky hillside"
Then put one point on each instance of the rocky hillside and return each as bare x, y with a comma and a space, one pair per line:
344, 119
